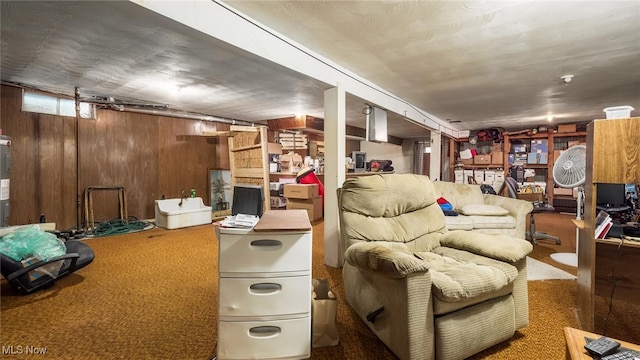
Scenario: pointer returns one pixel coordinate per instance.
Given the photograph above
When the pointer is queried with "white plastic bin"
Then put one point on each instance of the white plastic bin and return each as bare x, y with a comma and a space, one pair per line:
618, 112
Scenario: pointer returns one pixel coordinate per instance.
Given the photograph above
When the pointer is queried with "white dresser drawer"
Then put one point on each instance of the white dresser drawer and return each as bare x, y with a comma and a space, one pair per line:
264, 296
265, 252
264, 339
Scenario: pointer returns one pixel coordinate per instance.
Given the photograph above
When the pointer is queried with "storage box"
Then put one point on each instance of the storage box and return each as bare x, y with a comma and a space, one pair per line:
301, 191
566, 128
537, 158
482, 159
540, 146
519, 148
478, 175
467, 161
499, 176
497, 157
459, 176
531, 196
563, 191
313, 206
497, 146
556, 155
489, 176
618, 112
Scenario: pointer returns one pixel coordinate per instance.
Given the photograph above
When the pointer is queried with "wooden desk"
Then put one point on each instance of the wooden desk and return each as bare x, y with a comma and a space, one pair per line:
576, 339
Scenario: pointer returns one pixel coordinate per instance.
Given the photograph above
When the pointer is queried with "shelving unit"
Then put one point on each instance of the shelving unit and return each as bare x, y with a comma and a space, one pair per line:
555, 140
612, 157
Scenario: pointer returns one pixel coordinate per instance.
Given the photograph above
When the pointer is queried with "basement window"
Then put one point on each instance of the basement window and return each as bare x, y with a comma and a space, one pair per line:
47, 104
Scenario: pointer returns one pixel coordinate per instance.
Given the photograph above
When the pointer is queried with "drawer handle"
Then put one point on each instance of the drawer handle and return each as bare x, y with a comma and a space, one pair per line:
268, 245
265, 288
264, 331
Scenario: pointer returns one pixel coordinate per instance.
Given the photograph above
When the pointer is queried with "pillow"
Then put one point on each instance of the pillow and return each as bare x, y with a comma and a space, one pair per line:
482, 209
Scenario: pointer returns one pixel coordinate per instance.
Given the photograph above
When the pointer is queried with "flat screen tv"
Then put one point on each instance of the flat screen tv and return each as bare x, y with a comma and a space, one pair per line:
359, 161
247, 199
611, 195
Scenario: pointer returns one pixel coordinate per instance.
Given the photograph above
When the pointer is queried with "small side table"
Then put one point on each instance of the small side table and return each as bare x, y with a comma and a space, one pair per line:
576, 339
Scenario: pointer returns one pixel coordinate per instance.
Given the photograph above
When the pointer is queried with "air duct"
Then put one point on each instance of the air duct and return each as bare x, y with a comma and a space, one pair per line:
376, 120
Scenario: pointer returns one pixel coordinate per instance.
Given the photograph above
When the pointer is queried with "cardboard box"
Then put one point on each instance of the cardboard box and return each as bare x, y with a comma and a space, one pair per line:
556, 155
313, 207
467, 161
566, 128
531, 196
301, 191
562, 191
497, 157
482, 159
497, 146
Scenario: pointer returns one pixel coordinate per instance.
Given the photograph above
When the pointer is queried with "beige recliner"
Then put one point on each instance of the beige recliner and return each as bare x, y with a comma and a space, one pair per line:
425, 291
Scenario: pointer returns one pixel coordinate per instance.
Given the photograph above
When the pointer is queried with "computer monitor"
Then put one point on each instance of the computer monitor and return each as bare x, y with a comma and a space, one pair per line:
359, 161
611, 195
247, 199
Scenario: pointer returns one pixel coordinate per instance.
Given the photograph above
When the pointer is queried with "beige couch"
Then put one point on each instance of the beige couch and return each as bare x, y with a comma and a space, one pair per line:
491, 214
426, 292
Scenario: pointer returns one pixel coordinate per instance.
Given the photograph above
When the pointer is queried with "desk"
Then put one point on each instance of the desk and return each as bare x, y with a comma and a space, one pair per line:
575, 339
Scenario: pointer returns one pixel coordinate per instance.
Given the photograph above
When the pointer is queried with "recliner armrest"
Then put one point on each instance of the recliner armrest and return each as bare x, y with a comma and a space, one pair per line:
389, 262
499, 247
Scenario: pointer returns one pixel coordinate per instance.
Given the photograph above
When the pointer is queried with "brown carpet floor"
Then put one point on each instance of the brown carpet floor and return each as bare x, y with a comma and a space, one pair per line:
152, 294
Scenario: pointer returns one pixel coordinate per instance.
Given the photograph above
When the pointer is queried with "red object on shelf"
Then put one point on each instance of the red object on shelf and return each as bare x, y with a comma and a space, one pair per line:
307, 176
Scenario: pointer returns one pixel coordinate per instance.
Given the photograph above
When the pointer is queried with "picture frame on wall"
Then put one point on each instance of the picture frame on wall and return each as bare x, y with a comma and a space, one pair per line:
220, 196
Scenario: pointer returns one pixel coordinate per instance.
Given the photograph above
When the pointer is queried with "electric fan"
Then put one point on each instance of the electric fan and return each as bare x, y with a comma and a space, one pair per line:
569, 171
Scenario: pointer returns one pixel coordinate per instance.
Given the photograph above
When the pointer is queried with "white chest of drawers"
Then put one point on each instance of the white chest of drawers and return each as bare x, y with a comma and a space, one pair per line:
264, 292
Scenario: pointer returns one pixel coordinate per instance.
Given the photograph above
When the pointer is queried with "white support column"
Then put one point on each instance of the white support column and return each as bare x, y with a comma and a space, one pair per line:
334, 170
436, 155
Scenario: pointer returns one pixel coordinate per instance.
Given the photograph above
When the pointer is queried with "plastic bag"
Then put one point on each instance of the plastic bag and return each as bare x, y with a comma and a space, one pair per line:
30, 245
324, 311
31, 242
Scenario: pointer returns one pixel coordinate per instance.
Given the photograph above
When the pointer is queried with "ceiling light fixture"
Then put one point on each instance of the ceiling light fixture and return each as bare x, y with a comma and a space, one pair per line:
566, 78
550, 118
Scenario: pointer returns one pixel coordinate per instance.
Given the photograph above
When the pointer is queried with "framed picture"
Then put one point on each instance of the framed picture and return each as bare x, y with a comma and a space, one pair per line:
220, 189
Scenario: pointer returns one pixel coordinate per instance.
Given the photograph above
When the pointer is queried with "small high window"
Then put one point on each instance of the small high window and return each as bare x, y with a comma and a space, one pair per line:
47, 104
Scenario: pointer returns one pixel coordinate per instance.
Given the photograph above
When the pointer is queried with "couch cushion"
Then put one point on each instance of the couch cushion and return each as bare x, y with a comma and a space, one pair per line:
459, 222
493, 222
483, 210
459, 275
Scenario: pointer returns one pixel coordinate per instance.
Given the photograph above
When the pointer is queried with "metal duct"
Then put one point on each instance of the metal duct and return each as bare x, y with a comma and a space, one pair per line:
181, 114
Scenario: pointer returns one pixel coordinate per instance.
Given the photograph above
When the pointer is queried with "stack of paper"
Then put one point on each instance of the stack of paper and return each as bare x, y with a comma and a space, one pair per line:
240, 221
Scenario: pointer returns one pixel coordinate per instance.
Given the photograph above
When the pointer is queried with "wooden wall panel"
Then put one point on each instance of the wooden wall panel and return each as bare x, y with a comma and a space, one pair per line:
149, 155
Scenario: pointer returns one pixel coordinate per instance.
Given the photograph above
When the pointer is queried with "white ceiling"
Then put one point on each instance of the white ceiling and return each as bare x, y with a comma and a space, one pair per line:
482, 63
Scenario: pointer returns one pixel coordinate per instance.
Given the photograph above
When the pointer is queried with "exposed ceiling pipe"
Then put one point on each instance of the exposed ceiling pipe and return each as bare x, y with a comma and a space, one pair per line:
180, 114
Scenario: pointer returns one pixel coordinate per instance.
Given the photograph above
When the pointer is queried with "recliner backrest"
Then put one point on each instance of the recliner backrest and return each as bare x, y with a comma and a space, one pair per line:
397, 208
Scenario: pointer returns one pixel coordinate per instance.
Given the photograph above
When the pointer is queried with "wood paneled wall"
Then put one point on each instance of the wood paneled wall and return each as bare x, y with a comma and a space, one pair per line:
148, 155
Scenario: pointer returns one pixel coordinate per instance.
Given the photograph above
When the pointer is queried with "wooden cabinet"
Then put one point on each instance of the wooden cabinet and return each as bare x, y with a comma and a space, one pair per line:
612, 157
264, 297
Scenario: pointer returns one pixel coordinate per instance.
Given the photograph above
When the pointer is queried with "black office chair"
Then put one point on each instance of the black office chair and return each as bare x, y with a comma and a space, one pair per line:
78, 255
538, 207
